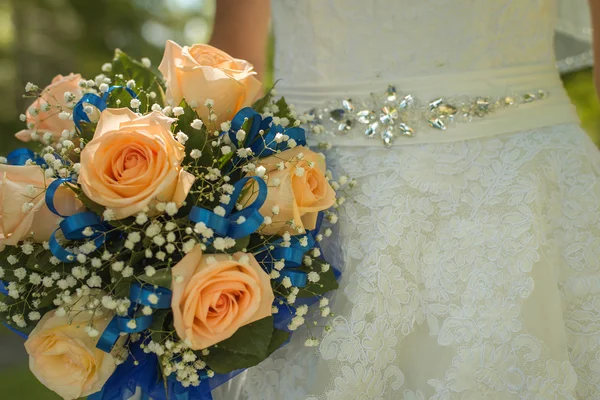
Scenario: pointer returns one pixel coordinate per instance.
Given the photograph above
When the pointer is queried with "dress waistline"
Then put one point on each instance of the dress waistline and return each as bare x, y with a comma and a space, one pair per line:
362, 104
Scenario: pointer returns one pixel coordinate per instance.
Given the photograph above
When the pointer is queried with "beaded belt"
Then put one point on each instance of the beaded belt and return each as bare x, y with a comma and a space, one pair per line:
480, 104
394, 115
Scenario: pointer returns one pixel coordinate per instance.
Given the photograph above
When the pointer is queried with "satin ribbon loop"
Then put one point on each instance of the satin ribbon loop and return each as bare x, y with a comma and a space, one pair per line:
141, 323
93, 99
219, 225
22, 155
51, 192
155, 297
268, 146
73, 226
230, 224
298, 278
291, 253
258, 124
142, 295
263, 145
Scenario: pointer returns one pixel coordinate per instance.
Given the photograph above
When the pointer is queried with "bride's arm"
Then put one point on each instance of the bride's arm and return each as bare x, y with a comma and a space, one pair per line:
595, 11
241, 29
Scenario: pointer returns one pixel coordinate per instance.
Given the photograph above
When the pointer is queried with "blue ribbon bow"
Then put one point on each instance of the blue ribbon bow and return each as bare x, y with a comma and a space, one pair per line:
73, 226
21, 155
229, 224
292, 255
140, 296
263, 145
79, 113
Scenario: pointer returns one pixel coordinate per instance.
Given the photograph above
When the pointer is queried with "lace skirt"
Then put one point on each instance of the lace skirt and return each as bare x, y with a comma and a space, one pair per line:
471, 271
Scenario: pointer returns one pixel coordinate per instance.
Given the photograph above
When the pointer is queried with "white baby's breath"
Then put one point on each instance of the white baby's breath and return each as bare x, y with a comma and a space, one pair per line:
177, 111
197, 124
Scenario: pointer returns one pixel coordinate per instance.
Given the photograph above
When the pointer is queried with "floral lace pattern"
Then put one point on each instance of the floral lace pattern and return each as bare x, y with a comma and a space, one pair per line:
472, 271
318, 40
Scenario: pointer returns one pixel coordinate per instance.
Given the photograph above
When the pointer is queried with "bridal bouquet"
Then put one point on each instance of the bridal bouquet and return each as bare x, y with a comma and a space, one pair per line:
161, 232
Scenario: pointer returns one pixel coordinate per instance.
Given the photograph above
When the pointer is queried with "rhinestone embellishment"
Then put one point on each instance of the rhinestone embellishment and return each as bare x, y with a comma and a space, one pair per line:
394, 114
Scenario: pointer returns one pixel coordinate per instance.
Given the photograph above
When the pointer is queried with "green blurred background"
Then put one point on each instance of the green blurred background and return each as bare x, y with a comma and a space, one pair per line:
41, 38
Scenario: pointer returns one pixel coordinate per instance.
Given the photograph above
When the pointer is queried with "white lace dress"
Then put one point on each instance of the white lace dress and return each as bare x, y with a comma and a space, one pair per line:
471, 256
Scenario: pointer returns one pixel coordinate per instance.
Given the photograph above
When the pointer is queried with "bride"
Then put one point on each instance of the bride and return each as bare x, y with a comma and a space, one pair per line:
471, 254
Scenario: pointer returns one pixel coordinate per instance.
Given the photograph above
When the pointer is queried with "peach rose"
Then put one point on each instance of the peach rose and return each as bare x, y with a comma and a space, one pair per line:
301, 193
53, 96
65, 358
133, 162
203, 72
23, 210
216, 294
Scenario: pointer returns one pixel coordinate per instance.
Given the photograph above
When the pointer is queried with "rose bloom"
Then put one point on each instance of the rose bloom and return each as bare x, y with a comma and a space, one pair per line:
133, 162
21, 185
65, 358
302, 191
53, 96
203, 72
212, 300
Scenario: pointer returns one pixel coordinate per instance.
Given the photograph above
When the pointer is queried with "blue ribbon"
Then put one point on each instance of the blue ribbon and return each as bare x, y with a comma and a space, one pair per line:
79, 113
141, 371
73, 226
286, 312
292, 255
263, 145
139, 296
227, 225
21, 155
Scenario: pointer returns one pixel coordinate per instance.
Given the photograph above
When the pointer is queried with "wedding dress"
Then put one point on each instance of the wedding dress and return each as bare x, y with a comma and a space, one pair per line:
471, 255
573, 41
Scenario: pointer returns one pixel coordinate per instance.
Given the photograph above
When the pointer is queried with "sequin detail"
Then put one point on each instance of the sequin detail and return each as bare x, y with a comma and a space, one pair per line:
393, 115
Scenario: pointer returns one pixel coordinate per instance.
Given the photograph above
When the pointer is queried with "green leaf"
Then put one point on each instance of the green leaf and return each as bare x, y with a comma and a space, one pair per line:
284, 109
278, 339
326, 284
264, 101
246, 348
89, 204
145, 79
136, 257
39, 260
48, 299
122, 288
158, 324
120, 98
197, 138
162, 278
87, 130
252, 339
222, 361
118, 277
124, 224
240, 244
260, 104
7, 252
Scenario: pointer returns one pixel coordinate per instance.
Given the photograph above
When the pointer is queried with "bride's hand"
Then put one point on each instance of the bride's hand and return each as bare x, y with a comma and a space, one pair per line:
241, 29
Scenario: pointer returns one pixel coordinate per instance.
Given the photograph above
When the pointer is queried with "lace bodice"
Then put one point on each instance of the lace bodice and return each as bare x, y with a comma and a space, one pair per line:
346, 41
